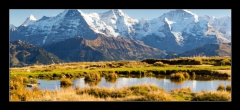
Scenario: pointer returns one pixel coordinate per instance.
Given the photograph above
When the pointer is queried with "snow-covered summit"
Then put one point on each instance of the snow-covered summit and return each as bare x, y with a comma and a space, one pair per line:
222, 24
179, 28
31, 19
11, 26
195, 15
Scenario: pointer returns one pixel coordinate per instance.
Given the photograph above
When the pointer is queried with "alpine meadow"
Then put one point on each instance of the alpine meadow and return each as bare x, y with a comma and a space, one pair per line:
179, 56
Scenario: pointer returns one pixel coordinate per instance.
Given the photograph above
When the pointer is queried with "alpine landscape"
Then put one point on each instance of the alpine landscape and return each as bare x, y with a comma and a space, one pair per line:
110, 56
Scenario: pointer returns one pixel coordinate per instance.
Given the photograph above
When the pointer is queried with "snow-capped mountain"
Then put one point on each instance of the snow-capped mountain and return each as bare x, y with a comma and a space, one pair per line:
179, 31
222, 25
31, 19
68, 24
175, 31
11, 26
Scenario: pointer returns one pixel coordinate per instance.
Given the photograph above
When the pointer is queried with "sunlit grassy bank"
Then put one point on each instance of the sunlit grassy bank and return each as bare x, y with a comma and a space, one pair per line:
132, 93
177, 69
143, 92
215, 66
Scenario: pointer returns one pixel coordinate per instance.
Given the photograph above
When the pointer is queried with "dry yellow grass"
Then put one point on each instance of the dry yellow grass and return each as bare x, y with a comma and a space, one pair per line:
228, 72
133, 93
212, 96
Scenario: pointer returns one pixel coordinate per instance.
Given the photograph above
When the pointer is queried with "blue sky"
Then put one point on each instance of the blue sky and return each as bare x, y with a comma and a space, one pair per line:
18, 16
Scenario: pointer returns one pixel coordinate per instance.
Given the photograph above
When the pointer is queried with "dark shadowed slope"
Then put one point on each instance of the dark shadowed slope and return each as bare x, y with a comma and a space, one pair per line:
22, 53
101, 49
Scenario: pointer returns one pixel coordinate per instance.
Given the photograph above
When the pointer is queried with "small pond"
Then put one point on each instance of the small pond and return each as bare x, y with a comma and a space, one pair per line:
196, 85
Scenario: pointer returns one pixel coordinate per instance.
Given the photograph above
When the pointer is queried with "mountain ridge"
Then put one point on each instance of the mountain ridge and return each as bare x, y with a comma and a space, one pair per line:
176, 31
22, 54
102, 49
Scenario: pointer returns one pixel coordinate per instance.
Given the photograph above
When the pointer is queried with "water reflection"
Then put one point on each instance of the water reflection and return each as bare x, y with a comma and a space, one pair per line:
92, 83
178, 82
194, 85
167, 84
111, 80
66, 86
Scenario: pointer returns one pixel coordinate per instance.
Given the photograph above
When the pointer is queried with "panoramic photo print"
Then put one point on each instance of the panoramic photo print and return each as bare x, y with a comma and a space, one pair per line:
170, 55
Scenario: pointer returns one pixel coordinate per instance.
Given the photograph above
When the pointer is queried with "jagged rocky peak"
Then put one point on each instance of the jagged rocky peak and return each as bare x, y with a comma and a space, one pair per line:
29, 20
71, 12
177, 30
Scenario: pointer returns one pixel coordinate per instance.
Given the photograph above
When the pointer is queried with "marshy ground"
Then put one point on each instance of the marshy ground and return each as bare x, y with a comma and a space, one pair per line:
179, 69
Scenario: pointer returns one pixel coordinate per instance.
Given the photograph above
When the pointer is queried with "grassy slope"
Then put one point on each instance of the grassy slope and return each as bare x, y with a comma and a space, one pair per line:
72, 70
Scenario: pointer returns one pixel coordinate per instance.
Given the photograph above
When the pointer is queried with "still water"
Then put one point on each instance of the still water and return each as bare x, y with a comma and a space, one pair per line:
167, 84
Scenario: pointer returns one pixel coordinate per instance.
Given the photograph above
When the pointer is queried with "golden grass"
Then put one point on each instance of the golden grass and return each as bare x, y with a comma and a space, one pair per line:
212, 96
182, 94
111, 76
65, 81
157, 96
220, 87
229, 87
133, 93
81, 68
92, 83
34, 81
47, 95
227, 72
178, 76
92, 77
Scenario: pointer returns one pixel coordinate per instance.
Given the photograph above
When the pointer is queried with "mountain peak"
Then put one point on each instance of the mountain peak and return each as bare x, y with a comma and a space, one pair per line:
32, 18
72, 12
184, 12
29, 20
195, 15
116, 12
226, 17
11, 26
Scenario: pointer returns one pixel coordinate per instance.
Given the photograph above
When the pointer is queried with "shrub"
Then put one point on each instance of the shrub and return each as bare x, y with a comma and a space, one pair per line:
65, 82
159, 63
225, 62
220, 87
197, 61
229, 88
178, 76
25, 80
92, 77
15, 85
186, 75
34, 81
111, 76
